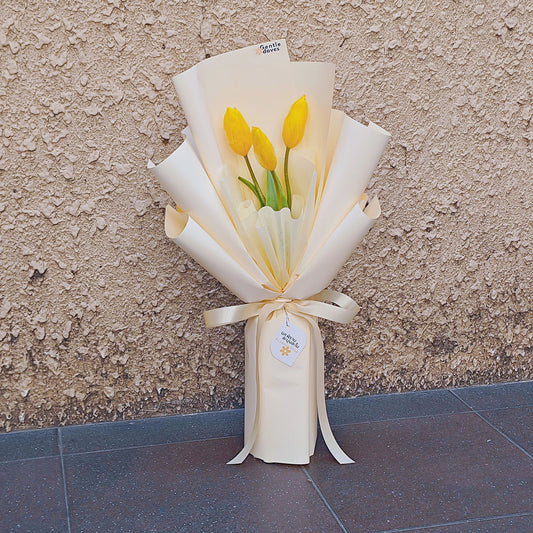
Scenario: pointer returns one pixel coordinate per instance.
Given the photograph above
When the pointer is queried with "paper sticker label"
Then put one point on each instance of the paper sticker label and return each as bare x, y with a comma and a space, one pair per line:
288, 343
268, 48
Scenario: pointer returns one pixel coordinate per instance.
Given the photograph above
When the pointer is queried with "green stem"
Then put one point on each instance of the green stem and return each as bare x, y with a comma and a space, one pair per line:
250, 169
287, 183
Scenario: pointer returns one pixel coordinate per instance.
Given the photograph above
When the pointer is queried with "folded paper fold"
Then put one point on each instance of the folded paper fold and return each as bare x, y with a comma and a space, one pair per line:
184, 178
292, 430
355, 158
190, 237
319, 270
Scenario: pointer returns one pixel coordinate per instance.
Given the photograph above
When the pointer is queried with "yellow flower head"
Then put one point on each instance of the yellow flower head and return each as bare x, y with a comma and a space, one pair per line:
264, 151
294, 125
237, 131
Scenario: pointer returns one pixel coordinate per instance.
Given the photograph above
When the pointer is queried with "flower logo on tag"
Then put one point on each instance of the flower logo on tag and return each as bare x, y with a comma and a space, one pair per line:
285, 350
288, 343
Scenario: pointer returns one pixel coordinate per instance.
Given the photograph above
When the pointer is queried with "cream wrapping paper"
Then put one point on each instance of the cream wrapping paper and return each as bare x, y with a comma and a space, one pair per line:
288, 409
198, 199
279, 262
320, 269
357, 153
274, 445
189, 236
208, 78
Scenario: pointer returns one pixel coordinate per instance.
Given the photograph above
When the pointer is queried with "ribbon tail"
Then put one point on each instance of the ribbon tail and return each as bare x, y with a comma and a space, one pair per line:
325, 428
243, 454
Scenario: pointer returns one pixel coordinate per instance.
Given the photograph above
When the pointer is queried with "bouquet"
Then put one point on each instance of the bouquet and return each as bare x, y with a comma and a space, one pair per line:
269, 190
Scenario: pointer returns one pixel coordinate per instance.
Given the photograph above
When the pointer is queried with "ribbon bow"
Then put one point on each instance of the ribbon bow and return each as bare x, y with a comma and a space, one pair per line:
310, 309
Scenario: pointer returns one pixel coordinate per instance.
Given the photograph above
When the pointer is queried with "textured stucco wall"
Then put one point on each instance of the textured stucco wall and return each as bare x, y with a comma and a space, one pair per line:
100, 315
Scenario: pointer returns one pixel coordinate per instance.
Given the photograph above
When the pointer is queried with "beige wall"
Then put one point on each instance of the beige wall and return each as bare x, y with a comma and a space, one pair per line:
101, 316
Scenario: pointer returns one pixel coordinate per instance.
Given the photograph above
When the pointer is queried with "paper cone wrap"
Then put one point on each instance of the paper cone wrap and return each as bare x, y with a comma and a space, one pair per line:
184, 178
356, 155
190, 237
208, 87
318, 272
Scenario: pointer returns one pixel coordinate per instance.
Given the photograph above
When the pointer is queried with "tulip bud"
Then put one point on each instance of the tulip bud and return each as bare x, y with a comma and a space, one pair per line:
237, 131
294, 125
264, 151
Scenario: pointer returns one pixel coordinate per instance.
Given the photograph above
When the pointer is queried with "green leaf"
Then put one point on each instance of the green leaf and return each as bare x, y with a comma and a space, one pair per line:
272, 193
254, 189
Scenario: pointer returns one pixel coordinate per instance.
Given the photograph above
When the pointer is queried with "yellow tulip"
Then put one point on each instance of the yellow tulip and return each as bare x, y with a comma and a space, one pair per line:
294, 125
237, 131
264, 151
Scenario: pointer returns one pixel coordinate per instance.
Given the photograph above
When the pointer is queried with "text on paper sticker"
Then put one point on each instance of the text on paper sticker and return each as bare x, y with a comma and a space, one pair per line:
288, 343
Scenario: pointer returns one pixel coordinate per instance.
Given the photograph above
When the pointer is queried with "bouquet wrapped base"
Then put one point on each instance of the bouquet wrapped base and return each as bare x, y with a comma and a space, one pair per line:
284, 398
280, 401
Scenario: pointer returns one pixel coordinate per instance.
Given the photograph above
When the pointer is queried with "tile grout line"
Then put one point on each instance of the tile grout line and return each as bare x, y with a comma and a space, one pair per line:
454, 394
64, 476
198, 439
456, 522
413, 417
521, 406
203, 439
502, 433
20, 459
135, 447
324, 500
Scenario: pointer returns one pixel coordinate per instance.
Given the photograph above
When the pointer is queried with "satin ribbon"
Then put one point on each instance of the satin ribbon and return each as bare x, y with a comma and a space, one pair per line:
310, 309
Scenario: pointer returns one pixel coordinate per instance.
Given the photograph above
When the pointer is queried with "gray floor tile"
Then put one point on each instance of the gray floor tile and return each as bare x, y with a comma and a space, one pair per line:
512, 524
517, 423
498, 396
31, 496
187, 487
28, 444
423, 471
150, 431
183, 428
390, 406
